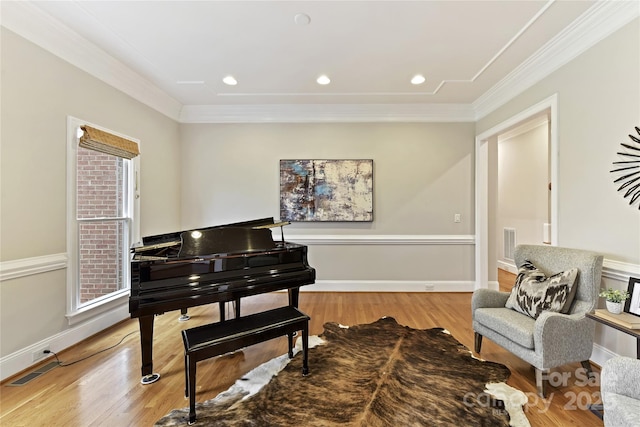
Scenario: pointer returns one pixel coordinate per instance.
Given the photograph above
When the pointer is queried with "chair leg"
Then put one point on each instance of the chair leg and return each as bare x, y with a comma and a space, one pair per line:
541, 382
477, 342
587, 366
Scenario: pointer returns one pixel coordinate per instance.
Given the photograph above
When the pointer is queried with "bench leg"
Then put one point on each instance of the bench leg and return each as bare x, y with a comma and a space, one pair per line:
192, 391
186, 375
305, 350
290, 340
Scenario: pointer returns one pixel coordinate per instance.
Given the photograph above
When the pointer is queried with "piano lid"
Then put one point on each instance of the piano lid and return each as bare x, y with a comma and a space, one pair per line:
247, 236
225, 240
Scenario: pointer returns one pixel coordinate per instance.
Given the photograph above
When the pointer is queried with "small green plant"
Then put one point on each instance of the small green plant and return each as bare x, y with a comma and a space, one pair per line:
614, 295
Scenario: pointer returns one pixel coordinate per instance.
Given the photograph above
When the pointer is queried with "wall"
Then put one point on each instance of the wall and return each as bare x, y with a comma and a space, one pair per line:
423, 175
39, 91
598, 107
523, 179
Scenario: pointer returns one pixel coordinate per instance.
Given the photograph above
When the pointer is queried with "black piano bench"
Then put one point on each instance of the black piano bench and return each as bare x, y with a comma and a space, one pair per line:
215, 339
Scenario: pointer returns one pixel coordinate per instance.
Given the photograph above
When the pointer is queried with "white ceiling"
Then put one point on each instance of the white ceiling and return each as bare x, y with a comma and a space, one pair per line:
369, 49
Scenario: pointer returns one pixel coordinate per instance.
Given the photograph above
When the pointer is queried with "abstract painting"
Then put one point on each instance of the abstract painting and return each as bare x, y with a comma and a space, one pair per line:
326, 190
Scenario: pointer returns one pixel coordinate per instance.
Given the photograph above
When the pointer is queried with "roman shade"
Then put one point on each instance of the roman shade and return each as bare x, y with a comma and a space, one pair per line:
108, 143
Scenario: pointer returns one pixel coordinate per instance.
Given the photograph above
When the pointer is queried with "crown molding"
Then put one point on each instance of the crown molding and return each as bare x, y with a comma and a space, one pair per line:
597, 23
30, 22
327, 113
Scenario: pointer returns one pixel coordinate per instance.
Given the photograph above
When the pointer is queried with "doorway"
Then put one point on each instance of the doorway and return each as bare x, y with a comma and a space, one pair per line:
487, 225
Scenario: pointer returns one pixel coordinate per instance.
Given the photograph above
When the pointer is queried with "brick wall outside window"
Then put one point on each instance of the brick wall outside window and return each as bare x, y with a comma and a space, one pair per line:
99, 195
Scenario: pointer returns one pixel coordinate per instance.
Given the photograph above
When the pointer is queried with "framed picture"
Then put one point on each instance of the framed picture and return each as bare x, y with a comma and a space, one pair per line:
326, 190
632, 305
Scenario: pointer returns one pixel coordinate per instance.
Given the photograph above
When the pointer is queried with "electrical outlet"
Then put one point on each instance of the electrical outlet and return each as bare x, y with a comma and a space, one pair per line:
429, 287
40, 353
457, 218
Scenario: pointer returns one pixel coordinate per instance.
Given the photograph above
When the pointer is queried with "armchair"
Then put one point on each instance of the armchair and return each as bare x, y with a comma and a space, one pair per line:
620, 389
554, 338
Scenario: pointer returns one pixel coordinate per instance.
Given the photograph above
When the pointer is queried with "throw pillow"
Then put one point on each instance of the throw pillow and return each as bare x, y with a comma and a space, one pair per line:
534, 292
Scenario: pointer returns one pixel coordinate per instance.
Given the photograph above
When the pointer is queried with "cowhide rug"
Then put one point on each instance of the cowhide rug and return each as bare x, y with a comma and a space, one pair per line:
380, 374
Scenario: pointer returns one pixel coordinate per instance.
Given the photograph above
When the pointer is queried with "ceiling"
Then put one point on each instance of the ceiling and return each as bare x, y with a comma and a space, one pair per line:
277, 49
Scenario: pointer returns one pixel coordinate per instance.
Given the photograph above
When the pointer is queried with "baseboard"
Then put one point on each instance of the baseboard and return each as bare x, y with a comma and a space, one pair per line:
601, 354
389, 286
21, 360
507, 266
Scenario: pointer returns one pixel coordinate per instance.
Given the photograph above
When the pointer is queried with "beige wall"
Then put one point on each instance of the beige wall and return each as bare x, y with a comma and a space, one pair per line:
423, 175
523, 178
39, 91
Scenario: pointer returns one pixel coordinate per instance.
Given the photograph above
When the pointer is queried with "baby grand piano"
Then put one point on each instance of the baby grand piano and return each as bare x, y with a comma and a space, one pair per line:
215, 264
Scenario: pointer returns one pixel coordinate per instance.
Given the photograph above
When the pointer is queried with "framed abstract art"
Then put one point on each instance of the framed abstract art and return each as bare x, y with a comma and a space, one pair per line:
326, 190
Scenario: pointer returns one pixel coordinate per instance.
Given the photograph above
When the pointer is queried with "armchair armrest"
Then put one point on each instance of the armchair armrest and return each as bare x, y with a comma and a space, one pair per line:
621, 375
562, 338
488, 298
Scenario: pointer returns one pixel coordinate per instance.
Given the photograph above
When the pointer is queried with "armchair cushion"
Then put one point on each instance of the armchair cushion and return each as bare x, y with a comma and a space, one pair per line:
508, 322
534, 292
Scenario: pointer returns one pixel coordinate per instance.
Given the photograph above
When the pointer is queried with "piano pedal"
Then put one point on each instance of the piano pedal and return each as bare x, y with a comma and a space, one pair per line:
184, 317
151, 378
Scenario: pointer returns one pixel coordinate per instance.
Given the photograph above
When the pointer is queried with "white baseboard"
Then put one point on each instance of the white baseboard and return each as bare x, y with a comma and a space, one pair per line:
601, 354
507, 266
389, 286
23, 359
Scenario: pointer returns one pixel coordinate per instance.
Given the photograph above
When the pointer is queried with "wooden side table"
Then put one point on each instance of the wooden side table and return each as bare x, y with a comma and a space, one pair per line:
632, 332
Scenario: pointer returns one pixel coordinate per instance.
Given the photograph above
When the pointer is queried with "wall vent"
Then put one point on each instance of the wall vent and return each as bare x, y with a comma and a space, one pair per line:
509, 243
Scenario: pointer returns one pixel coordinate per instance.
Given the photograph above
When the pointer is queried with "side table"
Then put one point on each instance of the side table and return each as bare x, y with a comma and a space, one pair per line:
632, 332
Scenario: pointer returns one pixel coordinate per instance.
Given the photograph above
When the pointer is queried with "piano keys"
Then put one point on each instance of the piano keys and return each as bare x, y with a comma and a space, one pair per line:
178, 270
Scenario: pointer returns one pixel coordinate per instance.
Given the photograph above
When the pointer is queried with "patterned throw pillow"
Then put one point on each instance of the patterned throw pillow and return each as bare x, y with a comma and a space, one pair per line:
534, 292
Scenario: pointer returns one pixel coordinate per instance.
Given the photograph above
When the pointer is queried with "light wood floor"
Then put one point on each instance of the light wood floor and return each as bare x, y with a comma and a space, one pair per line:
105, 390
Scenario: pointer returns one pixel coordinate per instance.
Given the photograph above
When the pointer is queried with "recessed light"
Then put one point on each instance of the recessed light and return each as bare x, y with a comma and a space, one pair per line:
418, 79
323, 80
230, 80
302, 19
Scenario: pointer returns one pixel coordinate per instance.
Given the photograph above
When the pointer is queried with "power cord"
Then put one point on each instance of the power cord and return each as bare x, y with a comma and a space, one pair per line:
89, 356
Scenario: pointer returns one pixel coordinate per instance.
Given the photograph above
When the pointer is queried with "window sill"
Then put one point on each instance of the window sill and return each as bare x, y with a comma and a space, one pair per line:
111, 303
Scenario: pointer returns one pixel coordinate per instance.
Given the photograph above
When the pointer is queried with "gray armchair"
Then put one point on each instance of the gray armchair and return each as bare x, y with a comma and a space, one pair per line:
553, 339
620, 389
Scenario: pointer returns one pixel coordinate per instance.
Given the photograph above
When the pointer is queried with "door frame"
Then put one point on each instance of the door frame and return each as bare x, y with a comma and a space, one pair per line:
482, 181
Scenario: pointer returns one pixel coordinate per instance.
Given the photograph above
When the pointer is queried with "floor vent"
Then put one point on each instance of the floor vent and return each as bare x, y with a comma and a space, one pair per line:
509, 243
33, 375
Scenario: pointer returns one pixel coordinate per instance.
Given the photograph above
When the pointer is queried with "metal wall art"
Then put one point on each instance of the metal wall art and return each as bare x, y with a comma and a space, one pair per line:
326, 190
628, 170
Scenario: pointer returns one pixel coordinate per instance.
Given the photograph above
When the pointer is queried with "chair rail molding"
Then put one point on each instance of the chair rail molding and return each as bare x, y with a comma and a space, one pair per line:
377, 239
28, 266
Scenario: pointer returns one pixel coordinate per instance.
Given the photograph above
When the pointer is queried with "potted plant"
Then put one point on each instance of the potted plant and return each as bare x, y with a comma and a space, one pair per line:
615, 299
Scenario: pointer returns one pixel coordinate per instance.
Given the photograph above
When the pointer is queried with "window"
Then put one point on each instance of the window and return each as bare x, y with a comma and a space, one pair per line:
102, 218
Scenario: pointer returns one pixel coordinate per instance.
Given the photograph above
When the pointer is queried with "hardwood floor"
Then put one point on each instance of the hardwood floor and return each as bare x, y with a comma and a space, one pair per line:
105, 390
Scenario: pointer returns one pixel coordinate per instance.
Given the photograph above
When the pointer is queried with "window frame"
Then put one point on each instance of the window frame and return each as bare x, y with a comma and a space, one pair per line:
76, 312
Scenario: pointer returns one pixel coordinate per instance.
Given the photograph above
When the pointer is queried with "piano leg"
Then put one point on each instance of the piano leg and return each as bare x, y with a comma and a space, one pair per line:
223, 316
146, 349
183, 315
294, 297
236, 305
223, 307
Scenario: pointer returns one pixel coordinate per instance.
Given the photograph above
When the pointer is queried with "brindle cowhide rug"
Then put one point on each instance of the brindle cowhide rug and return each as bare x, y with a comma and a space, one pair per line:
380, 374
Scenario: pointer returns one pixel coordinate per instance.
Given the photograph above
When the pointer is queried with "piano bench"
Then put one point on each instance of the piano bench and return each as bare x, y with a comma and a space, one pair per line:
215, 339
